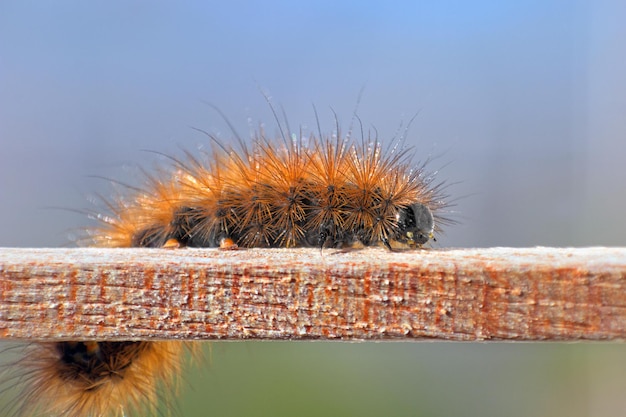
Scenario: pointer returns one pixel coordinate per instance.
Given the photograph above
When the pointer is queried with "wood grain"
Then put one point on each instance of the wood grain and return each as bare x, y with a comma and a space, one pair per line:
446, 294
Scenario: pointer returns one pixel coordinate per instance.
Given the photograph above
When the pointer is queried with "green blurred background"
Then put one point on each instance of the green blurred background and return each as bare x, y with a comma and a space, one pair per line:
522, 105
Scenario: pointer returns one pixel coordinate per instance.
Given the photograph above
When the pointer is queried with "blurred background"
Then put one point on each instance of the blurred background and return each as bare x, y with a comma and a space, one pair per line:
521, 104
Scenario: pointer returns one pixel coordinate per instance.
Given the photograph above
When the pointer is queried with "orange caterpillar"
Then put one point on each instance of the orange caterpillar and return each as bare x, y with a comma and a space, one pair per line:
296, 191
302, 192
95, 379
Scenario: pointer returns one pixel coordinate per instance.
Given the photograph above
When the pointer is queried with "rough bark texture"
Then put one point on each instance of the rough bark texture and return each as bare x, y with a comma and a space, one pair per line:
454, 294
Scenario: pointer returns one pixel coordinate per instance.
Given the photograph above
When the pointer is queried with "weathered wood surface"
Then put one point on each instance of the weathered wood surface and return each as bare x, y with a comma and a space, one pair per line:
445, 294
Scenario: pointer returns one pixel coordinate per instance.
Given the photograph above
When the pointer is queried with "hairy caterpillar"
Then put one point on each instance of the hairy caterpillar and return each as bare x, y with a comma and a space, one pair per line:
93, 379
297, 190
313, 191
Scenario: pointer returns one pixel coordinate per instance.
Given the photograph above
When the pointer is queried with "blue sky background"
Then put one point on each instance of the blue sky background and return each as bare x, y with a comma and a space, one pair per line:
522, 102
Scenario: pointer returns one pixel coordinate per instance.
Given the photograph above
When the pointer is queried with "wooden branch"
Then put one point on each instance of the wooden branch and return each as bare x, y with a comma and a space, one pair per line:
468, 294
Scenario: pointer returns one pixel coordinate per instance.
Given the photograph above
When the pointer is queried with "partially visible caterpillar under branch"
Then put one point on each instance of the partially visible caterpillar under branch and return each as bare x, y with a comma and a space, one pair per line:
96, 378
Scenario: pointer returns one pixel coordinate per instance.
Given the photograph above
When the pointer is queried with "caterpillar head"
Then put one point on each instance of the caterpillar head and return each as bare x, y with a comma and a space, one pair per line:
415, 225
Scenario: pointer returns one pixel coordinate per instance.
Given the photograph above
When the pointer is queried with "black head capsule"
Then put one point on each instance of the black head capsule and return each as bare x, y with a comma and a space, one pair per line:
415, 224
